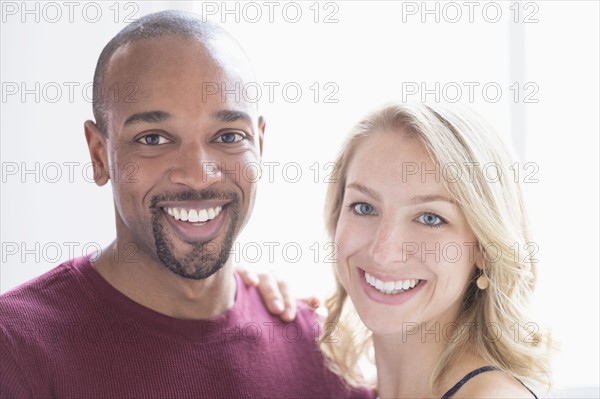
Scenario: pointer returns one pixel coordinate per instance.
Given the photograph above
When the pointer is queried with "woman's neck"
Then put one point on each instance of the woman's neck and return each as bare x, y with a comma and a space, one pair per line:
405, 365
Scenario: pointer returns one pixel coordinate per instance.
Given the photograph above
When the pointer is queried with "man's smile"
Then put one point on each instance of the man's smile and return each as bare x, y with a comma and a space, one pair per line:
197, 222
196, 216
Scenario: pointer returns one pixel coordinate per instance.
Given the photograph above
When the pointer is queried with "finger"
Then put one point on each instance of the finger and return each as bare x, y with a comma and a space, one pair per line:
269, 291
312, 301
289, 314
249, 278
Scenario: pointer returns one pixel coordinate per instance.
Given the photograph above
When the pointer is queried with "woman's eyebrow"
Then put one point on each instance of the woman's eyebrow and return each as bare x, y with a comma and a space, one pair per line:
420, 199
365, 190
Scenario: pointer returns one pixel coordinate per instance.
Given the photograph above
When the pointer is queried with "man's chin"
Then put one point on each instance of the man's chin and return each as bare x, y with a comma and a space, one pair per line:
193, 260
194, 250
198, 268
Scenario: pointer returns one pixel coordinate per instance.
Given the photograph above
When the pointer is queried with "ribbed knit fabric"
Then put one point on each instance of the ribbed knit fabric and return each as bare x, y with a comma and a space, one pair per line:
70, 334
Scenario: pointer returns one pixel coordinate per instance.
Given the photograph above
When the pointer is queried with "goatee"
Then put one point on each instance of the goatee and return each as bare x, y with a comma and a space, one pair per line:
205, 258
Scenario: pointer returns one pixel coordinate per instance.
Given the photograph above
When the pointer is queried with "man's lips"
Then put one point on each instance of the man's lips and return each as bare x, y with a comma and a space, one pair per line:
194, 215
196, 222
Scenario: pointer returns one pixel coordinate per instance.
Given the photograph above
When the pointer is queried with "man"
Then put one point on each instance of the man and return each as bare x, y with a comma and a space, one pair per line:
160, 312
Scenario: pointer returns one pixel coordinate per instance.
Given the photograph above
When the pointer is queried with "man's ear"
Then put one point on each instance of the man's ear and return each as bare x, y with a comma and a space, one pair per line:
96, 141
262, 124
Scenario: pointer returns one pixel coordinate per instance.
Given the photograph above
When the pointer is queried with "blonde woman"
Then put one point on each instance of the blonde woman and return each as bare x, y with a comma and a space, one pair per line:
435, 255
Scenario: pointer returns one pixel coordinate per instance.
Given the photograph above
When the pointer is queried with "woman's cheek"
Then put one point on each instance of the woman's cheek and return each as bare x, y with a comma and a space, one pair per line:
350, 238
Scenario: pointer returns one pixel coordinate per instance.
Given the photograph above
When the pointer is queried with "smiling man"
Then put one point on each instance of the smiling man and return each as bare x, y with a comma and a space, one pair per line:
185, 203
161, 311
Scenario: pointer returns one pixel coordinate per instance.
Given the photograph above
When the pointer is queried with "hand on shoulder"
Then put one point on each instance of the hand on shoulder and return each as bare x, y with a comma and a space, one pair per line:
275, 293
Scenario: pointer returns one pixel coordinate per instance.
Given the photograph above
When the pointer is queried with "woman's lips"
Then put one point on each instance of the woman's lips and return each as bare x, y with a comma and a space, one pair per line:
390, 291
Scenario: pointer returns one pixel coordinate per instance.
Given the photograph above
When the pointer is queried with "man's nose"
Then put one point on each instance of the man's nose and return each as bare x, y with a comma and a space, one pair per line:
196, 167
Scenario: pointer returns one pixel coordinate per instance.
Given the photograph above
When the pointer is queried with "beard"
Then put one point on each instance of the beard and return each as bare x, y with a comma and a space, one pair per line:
205, 258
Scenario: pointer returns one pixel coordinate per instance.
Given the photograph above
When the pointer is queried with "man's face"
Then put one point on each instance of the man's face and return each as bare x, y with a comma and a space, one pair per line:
183, 160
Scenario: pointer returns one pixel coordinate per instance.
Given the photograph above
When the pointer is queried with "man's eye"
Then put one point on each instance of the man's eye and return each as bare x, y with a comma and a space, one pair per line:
362, 209
431, 219
153, 139
230, 137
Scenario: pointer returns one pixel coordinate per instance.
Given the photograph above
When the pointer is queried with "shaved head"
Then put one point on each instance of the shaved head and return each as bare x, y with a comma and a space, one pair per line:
152, 26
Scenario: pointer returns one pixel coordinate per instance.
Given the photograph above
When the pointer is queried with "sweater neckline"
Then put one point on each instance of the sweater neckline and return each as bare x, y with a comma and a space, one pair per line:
146, 318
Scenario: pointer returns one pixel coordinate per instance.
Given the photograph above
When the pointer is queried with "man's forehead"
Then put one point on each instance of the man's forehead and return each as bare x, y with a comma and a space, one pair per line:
173, 63
176, 74
149, 53
177, 58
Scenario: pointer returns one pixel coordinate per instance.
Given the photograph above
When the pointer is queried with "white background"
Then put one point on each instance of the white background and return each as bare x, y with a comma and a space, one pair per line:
369, 53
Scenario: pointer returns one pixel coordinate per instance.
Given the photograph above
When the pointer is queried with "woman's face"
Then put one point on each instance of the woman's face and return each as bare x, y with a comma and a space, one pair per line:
406, 253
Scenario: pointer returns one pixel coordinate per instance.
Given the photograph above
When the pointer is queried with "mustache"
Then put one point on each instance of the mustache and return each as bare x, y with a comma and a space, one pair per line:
191, 195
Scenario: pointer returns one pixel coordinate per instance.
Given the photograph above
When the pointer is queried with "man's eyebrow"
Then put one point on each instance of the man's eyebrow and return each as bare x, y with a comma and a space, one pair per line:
148, 117
365, 190
231, 116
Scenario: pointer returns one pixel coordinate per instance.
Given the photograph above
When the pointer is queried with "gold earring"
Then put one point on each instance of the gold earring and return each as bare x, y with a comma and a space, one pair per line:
482, 282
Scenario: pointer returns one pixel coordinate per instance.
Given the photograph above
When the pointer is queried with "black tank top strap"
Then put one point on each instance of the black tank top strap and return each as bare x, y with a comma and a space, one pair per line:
472, 374
466, 378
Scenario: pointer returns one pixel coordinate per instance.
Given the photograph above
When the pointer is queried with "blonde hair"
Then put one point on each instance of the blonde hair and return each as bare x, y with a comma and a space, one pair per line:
494, 210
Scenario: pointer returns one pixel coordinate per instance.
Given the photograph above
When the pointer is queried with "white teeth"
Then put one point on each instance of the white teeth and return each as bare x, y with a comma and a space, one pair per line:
183, 215
390, 287
194, 215
202, 215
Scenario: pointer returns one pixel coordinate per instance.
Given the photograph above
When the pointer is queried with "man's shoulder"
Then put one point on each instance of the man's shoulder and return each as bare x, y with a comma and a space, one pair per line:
291, 346
251, 313
250, 304
37, 295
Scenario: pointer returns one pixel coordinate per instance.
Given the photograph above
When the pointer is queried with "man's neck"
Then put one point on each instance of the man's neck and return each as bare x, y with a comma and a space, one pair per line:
152, 285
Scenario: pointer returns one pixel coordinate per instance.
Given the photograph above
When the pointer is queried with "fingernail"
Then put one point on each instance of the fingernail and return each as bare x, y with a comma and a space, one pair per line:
278, 304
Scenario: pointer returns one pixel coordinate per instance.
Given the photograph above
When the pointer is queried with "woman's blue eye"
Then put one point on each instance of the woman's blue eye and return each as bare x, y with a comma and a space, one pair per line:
431, 219
153, 139
362, 208
229, 138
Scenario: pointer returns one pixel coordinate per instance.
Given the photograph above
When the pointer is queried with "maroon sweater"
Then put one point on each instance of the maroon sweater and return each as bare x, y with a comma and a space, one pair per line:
69, 333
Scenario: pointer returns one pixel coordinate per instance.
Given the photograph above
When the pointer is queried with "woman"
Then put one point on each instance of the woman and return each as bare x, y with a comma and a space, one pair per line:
435, 254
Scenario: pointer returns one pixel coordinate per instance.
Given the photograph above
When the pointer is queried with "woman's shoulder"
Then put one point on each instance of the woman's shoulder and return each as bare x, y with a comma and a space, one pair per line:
493, 384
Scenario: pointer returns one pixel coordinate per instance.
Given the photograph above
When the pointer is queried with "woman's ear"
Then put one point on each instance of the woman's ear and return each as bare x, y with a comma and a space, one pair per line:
96, 141
479, 257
